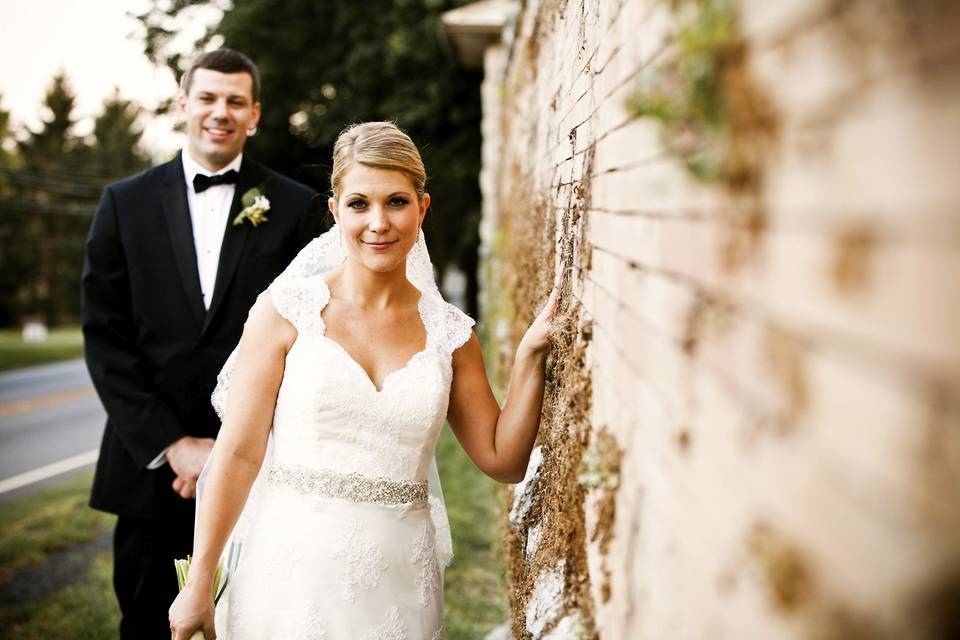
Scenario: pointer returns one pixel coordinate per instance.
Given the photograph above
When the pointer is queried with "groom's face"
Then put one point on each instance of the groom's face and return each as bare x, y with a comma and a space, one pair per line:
219, 109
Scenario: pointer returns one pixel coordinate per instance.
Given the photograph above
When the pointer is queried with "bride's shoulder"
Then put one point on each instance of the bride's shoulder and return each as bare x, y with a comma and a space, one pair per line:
299, 300
265, 322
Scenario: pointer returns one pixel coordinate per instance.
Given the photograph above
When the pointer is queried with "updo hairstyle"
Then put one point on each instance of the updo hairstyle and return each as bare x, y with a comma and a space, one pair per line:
380, 145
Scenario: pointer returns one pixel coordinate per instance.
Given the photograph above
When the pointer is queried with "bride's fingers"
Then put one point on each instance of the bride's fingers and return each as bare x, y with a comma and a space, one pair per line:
550, 308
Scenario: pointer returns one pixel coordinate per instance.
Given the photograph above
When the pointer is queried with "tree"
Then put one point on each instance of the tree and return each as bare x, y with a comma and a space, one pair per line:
115, 152
13, 260
55, 140
50, 244
48, 197
325, 65
7, 143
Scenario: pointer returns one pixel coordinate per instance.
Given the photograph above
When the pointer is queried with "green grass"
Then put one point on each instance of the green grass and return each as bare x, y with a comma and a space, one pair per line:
61, 344
474, 588
85, 610
32, 530
53, 520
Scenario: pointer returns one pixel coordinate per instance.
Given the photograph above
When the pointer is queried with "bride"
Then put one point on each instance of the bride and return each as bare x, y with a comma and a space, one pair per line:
348, 367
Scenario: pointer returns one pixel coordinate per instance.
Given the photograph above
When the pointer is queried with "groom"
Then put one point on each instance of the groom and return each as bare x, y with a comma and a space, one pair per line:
171, 270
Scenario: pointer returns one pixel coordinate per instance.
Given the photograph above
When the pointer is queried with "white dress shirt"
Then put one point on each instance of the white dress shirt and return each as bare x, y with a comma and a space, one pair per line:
208, 217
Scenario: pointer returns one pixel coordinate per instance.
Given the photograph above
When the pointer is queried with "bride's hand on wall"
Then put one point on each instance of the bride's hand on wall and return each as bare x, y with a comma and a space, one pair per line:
537, 338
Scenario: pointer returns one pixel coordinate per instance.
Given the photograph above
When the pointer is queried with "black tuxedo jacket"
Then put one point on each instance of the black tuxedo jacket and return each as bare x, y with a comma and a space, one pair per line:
152, 350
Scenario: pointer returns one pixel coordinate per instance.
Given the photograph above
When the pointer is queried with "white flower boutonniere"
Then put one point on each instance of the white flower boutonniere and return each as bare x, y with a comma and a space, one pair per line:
255, 204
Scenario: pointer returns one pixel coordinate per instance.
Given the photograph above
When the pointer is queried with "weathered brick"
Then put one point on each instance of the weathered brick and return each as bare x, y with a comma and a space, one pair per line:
772, 341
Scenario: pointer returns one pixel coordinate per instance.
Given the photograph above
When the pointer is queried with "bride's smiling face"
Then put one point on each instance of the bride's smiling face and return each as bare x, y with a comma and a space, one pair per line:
379, 216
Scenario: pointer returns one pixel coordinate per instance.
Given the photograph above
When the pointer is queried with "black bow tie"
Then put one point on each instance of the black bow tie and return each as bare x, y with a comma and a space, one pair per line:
201, 182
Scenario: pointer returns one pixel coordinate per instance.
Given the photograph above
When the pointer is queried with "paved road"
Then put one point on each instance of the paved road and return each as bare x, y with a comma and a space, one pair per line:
50, 423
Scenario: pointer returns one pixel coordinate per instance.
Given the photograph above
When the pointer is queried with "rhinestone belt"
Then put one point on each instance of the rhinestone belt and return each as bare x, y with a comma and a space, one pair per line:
348, 486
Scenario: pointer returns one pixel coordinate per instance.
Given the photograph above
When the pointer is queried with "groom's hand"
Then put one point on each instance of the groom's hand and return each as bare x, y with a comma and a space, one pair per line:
186, 457
185, 488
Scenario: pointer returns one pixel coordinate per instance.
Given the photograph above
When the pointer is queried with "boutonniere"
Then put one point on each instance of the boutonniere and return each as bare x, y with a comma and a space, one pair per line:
255, 204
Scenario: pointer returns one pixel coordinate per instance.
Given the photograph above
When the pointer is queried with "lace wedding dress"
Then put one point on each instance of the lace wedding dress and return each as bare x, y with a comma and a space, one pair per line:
341, 537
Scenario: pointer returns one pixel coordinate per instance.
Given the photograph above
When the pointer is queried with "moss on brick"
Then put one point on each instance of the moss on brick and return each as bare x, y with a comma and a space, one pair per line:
714, 117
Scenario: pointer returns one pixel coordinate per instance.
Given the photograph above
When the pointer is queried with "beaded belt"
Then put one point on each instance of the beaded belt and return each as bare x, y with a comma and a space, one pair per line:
348, 486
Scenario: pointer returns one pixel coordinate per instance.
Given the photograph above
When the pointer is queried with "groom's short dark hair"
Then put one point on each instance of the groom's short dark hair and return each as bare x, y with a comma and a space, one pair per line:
225, 61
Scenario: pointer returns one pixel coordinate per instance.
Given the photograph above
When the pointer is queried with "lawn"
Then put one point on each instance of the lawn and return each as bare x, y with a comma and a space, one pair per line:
55, 561
55, 566
474, 589
61, 344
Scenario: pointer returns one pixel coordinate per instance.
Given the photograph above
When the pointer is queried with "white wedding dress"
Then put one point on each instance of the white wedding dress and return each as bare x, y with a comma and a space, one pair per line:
340, 534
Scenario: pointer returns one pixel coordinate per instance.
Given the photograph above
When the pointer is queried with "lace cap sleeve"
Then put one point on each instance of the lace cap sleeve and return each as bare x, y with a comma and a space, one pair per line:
300, 301
461, 327
450, 328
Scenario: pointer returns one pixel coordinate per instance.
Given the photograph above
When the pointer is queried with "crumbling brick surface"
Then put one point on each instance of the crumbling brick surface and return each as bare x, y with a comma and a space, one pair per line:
752, 424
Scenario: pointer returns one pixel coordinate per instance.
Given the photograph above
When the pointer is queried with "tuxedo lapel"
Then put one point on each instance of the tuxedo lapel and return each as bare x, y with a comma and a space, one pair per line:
177, 213
234, 238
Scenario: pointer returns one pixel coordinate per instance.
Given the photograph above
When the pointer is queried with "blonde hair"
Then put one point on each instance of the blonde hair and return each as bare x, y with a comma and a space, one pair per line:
380, 145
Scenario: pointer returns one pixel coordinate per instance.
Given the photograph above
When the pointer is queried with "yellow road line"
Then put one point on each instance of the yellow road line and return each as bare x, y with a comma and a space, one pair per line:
32, 404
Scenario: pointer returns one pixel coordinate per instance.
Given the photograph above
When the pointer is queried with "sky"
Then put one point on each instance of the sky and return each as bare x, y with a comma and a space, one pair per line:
98, 46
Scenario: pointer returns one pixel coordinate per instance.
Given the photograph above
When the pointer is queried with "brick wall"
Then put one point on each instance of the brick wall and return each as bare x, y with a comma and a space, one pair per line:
753, 419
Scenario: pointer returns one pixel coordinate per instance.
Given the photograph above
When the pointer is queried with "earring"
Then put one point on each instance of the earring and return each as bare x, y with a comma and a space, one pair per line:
251, 132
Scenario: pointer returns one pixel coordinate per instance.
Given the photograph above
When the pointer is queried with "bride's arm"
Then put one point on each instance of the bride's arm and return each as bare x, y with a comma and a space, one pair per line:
499, 441
237, 457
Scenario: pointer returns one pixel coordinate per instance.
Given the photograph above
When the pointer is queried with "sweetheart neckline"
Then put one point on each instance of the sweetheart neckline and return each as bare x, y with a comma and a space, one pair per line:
363, 372
383, 383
